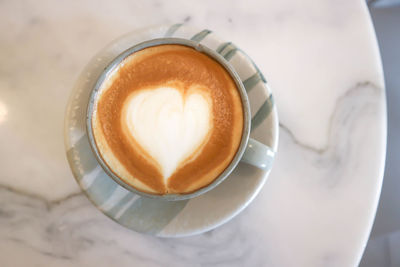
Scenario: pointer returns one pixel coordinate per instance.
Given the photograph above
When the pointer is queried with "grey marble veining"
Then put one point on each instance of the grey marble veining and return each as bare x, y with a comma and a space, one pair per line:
318, 204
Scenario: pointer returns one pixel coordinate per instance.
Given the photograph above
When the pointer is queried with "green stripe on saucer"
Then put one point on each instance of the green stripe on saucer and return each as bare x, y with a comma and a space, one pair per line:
229, 55
200, 36
172, 29
112, 212
262, 112
102, 188
150, 215
227, 50
252, 81
81, 152
257, 69
222, 47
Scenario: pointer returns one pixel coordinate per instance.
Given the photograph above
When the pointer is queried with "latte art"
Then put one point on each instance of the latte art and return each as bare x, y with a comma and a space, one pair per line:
168, 120
168, 125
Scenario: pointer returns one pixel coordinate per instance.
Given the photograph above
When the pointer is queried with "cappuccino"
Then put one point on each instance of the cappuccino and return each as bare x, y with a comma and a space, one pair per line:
168, 120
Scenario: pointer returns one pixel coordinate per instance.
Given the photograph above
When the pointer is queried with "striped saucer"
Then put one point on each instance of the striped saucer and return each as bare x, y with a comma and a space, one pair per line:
170, 218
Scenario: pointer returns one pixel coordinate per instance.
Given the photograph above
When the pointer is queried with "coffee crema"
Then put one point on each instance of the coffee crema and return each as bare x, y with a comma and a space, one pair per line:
168, 120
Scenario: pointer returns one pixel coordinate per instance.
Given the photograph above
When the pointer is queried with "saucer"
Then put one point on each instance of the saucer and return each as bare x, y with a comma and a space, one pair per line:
170, 218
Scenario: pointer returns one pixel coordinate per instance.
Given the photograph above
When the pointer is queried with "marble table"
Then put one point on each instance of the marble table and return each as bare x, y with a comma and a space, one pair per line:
318, 205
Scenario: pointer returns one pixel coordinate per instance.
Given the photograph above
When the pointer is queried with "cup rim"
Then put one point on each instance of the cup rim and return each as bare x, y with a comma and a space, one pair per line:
115, 63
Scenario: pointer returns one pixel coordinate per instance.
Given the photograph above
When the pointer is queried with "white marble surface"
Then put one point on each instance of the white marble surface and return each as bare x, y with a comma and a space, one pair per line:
316, 209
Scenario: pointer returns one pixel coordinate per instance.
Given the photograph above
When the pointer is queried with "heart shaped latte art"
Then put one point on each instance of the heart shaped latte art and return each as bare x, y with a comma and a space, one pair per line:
168, 125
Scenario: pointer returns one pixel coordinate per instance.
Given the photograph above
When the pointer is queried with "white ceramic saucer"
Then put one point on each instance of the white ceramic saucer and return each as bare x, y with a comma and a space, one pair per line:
170, 218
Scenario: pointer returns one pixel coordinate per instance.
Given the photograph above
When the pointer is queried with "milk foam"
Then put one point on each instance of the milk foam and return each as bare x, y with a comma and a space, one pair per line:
170, 126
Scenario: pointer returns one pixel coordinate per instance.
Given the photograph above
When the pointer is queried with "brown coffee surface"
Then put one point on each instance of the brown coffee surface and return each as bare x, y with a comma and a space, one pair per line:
188, 71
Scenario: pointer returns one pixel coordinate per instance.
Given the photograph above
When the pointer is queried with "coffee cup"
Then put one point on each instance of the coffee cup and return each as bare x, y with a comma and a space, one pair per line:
247, 149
